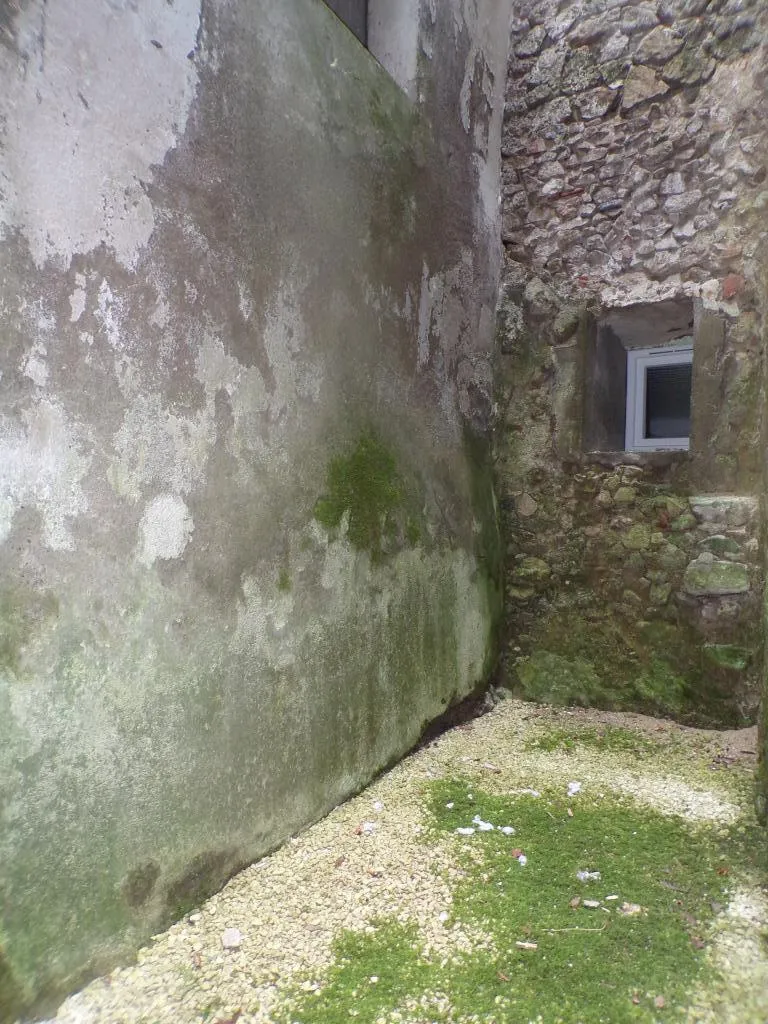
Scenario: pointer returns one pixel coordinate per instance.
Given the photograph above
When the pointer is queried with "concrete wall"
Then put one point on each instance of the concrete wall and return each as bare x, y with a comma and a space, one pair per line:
247, 531
634, 172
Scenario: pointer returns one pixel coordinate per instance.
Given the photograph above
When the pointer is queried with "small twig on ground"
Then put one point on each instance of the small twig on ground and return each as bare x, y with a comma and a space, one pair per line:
553, 930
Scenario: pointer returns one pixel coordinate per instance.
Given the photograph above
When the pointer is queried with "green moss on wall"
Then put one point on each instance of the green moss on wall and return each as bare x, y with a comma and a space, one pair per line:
761, 782
366, 485
554, 679
12, 996
595, 657
728, 656
21, 609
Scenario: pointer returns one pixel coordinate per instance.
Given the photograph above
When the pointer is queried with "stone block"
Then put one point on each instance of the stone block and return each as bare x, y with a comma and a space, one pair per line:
733, 510
530, 44
672, 185
590, 31
595, 103
715, 578
604, 500
691, 66
672, 558
659, 46
637, 537
533, 570
625, 496
613, 48
642, 84
684, 522
548, 68
526, 506
581, 72
721, 546
730, 656
638, 17
566, 324
683, 205
660, 593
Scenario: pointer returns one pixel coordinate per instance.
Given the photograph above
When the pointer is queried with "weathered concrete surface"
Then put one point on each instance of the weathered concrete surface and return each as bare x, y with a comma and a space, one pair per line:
248, 544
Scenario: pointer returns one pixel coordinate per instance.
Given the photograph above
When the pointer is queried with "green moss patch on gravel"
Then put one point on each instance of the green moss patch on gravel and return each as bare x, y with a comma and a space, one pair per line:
551, 957
609, 737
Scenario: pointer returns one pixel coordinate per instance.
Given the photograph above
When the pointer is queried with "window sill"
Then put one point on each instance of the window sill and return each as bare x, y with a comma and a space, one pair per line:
666, 458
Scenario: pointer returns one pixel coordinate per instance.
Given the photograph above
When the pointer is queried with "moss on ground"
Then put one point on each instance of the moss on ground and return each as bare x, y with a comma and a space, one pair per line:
609, 737
550, 957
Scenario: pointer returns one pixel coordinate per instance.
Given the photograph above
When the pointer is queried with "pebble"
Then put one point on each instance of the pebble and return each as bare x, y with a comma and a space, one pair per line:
231, 938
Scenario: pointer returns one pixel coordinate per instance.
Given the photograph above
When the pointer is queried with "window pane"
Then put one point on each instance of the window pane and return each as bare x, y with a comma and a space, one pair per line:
668, 401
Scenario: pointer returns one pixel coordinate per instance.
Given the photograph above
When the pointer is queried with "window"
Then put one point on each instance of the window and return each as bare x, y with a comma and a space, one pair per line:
389, 29
659, 398
354, 14
638, 378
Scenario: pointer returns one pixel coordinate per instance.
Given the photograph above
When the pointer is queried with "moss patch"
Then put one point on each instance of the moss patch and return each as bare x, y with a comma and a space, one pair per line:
366, 486
728, 656
553, 679
549, 956
609, 737
598, 658
12, 997
21, 610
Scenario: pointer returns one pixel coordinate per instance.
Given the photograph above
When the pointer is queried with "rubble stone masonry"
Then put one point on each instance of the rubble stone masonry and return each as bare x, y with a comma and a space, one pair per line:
634, 174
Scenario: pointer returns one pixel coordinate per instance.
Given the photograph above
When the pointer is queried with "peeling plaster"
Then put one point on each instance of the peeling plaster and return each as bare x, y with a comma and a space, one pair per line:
86, 112
214, 373
77, 299
41, 466
34, 365
426, 303
165, 528
110, 313
156, 447
293, 372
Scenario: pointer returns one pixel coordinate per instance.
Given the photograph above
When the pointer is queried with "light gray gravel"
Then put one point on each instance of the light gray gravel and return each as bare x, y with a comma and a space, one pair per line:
368, 859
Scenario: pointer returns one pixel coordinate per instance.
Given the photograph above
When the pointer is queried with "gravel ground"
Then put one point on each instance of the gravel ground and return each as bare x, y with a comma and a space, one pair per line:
367, 859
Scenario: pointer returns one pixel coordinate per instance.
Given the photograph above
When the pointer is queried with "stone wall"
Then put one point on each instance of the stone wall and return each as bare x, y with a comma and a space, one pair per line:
633, 173
248, 543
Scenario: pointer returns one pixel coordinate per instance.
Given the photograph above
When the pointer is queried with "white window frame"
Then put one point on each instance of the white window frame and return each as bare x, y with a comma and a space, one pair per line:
639, 360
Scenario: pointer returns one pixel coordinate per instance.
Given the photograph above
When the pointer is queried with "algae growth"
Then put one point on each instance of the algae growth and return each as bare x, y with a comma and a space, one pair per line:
365, 485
